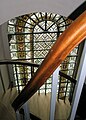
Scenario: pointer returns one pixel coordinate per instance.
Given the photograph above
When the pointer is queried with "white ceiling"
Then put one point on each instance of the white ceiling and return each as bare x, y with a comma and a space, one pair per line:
12, 8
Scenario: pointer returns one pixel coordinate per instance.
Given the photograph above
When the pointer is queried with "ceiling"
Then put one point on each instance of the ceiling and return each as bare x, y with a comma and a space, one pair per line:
12, 8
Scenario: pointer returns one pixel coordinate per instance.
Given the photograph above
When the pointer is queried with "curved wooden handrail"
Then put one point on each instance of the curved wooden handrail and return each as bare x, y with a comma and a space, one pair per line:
70, 38
2, 62
72, 80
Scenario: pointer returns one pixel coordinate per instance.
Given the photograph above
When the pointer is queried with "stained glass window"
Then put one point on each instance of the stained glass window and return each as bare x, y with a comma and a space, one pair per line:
30, 38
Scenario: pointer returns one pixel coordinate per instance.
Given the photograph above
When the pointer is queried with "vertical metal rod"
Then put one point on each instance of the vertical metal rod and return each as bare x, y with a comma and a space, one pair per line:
79, 85
32, 71
2, 81
45, 87
66, 90
72, 90
24, 78
17, 78
59, 87
18, 115
26, 111
54, 93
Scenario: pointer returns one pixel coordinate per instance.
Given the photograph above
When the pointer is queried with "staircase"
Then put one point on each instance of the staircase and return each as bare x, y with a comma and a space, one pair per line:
71, 37
6, 110
54, 58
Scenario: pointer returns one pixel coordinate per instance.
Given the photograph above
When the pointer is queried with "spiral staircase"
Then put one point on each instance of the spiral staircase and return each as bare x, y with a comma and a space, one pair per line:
72, 36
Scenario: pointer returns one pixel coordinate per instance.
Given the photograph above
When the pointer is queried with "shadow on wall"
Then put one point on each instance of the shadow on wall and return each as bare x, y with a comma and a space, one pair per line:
6, 110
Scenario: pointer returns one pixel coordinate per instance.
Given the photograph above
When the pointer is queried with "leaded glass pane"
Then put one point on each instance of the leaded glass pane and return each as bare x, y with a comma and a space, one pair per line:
30, 38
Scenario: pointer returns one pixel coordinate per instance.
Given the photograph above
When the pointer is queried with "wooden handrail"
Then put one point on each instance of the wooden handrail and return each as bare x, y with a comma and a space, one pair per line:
72, 80
33, 117
70, 38
18, 62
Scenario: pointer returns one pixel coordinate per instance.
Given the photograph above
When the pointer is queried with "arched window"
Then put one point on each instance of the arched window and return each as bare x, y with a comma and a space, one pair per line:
30, 38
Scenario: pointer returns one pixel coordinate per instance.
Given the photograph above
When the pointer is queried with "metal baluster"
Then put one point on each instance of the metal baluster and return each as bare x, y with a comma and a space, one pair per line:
17, 78
54, 93
81, 75
2, 81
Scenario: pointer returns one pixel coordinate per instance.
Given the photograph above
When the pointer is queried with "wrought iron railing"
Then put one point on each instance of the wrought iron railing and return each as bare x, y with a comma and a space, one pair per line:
18, 81
66, 86
62, 91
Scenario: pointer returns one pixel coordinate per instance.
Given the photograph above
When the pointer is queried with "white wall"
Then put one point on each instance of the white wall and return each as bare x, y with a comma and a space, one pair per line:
4, 54
12, 8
